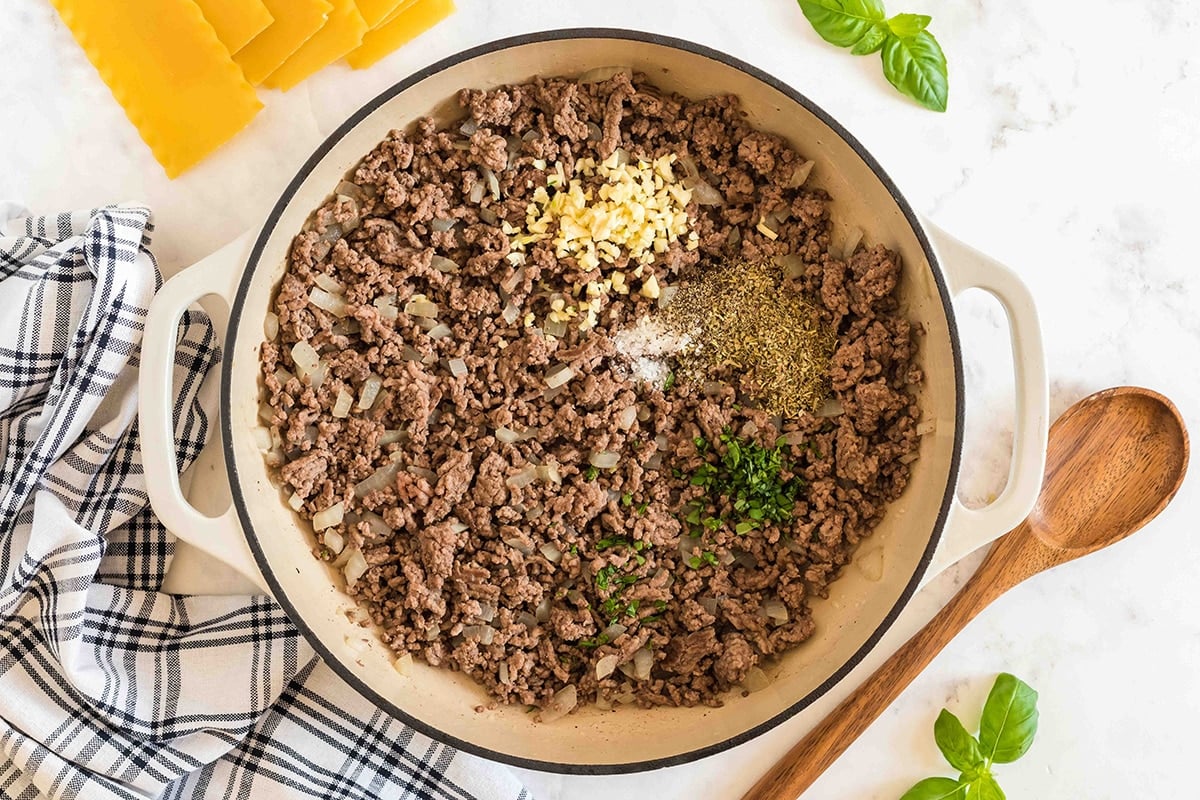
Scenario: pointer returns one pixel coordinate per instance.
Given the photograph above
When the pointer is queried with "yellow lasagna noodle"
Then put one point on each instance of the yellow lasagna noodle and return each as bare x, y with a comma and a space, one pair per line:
377, 11
168, 70
295, 23
236, 21
407, 25
342, 33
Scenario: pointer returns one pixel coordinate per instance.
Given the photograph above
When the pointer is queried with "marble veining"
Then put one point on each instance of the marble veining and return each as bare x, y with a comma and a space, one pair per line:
1071, 151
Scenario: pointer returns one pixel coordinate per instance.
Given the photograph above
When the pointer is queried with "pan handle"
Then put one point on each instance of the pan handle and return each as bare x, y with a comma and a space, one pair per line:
968, 529
220, 537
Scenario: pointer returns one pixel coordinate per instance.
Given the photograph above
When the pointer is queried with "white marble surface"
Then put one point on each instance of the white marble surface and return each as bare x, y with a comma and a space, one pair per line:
1071, 151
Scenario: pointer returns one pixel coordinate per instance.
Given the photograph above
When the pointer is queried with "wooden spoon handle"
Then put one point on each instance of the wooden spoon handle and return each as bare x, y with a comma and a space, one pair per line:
817, 751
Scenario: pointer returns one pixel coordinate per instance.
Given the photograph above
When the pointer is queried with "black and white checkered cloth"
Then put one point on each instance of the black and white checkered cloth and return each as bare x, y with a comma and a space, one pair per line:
109, 688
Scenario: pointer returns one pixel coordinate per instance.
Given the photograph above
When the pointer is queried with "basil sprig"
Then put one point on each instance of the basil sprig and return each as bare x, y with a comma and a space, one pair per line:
1006, 730
913, 60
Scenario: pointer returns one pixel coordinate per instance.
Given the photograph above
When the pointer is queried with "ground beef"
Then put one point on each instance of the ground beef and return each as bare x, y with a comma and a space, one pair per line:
526, 586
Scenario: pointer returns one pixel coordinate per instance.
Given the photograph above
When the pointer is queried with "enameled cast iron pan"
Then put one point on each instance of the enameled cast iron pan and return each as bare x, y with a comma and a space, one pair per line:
923, 531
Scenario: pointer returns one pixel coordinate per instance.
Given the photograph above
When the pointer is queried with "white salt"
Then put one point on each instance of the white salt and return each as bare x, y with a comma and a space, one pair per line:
647, 345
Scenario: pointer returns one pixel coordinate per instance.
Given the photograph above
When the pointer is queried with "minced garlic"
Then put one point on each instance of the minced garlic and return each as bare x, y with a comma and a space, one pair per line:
639, 209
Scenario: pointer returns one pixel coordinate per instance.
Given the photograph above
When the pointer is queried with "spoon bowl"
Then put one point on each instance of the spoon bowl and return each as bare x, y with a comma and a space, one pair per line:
1114, 461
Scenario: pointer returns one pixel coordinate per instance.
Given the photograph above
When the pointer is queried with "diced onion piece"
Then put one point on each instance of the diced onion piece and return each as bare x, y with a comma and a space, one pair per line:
627, 417
404, 664
776, 610
271, 325
333, 303
928, 426
542, 612
604, 459
526, 619
666, 294
594, 132
422, 472
386, 305
484, 634
440, 331
369, 392
522, 477
709, 604
606, 666
548, 473
442, 224
334, 541
418, 306
446, 265
343, 403
560, 705
457, 366
613, 631
508, 435
296, 501
643, 662
432, 632
306, 358
379, 528
556, 328
551, 552
503, 674
793, 438
262, 438
832, 407
800, 175
909, 458
519, 545
486, 214
328, 283
468, 128
355, 567
852, 242
792, 264
317, 376
511, 313
654, 461
660, 441
755, 680
558, 375
327, 518
476, 195
391, 437
576, 597
493, 182
704, 194
379, 479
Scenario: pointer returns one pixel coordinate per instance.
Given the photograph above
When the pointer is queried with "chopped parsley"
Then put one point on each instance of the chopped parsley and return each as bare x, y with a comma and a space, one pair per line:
705, 557
626, 499
750, 477
594, 642
590, 473
669, 383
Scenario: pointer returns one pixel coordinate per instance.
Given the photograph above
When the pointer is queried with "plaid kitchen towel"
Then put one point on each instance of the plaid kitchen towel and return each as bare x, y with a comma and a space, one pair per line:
109, 688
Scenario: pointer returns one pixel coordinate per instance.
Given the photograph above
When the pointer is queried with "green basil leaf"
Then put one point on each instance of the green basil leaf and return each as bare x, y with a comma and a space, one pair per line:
936, 789
981, 787
1010, 720
871, 41
908, 24
916, 66
843, 22
958, 746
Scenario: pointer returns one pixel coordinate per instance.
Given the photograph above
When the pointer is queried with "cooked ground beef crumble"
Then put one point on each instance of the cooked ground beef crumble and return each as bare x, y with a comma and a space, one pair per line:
517, 586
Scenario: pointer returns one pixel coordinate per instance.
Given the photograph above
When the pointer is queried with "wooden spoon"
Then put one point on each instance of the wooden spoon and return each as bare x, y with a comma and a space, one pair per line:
1115, 460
